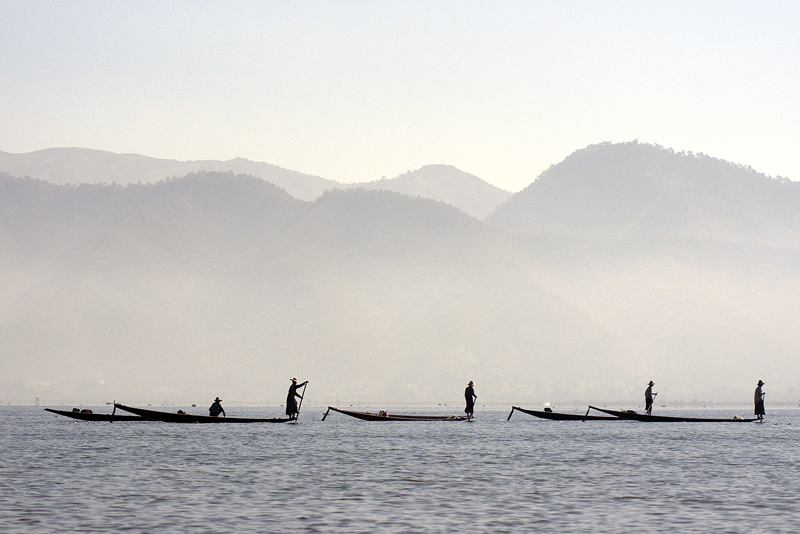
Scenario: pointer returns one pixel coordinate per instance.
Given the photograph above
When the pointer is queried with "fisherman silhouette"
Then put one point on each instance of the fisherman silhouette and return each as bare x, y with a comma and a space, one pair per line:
758, 398
648, 398
291, 403
469, 395
217, 408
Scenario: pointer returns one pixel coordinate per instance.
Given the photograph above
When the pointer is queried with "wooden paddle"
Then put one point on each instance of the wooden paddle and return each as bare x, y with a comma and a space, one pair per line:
301, 402
651, 404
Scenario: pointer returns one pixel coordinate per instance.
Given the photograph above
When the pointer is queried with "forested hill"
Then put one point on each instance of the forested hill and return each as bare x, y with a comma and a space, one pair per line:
634, 190
44, 221
224, 210
225, 282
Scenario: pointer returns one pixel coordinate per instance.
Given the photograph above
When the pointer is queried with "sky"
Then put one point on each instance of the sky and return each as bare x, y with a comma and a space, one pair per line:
355, 91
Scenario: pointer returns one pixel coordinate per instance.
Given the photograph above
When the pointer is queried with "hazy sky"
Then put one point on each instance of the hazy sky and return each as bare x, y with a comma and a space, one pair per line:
353, 91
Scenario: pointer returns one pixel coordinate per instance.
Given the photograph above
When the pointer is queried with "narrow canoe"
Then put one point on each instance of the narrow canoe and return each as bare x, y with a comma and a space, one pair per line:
633, 416
83, 416
167, 417
383, 416
562, 416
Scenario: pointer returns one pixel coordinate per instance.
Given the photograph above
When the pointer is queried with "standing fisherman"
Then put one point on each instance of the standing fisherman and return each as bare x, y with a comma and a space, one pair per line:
291, 403
759, 401
648, 398
469, 395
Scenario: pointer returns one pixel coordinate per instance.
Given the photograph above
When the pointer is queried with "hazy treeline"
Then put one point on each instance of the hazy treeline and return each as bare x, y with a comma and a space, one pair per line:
86, 166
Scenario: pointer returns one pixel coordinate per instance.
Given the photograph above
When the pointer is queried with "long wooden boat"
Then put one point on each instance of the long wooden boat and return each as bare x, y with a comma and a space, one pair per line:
167, 417
384, 416
90, 416
633, 416
555, 416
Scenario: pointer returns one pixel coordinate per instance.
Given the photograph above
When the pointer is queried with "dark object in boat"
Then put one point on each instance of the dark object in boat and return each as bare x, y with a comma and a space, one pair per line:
554, 416
383, 416
167, 417
633, 416
87, 415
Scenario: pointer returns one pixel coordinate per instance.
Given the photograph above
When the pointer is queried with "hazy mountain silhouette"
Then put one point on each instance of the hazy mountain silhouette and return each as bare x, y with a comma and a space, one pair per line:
633, 190
84, 166
223, 284
448, 184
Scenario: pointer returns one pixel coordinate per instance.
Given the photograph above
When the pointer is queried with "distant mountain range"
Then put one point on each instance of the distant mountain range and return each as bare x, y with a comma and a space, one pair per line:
634, 191
85, 166
623, 264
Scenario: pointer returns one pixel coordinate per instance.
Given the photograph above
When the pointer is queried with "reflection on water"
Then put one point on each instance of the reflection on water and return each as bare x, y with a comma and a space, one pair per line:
346, 475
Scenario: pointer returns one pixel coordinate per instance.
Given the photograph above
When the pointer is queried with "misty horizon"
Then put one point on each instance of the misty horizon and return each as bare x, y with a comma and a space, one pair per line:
393, 201
677, 263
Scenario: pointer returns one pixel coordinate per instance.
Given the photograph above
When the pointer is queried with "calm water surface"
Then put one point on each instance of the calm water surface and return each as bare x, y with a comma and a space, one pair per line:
346, 475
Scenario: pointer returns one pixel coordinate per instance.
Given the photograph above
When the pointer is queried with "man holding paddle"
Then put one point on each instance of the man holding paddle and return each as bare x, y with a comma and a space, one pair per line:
648, 398
291, 404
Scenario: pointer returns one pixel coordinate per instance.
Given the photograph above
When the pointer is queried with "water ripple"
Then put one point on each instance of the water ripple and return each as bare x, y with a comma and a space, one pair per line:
344, 475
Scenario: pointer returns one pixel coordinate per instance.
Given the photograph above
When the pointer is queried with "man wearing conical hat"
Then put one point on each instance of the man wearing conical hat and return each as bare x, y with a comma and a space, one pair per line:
217, 408
648, 398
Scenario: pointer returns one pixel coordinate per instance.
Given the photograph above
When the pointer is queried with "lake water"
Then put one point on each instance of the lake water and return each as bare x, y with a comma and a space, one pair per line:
346, 475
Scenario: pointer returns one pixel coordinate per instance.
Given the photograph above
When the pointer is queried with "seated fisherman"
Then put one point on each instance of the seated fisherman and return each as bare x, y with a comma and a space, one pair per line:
217, 408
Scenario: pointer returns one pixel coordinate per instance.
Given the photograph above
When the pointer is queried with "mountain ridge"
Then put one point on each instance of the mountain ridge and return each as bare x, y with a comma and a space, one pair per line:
173, 278
79, 165
633, 190
225, 283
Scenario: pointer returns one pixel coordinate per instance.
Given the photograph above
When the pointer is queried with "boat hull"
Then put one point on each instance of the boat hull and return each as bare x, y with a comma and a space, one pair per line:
83, 416
369, 416
166, 417
554, 416
632, 416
